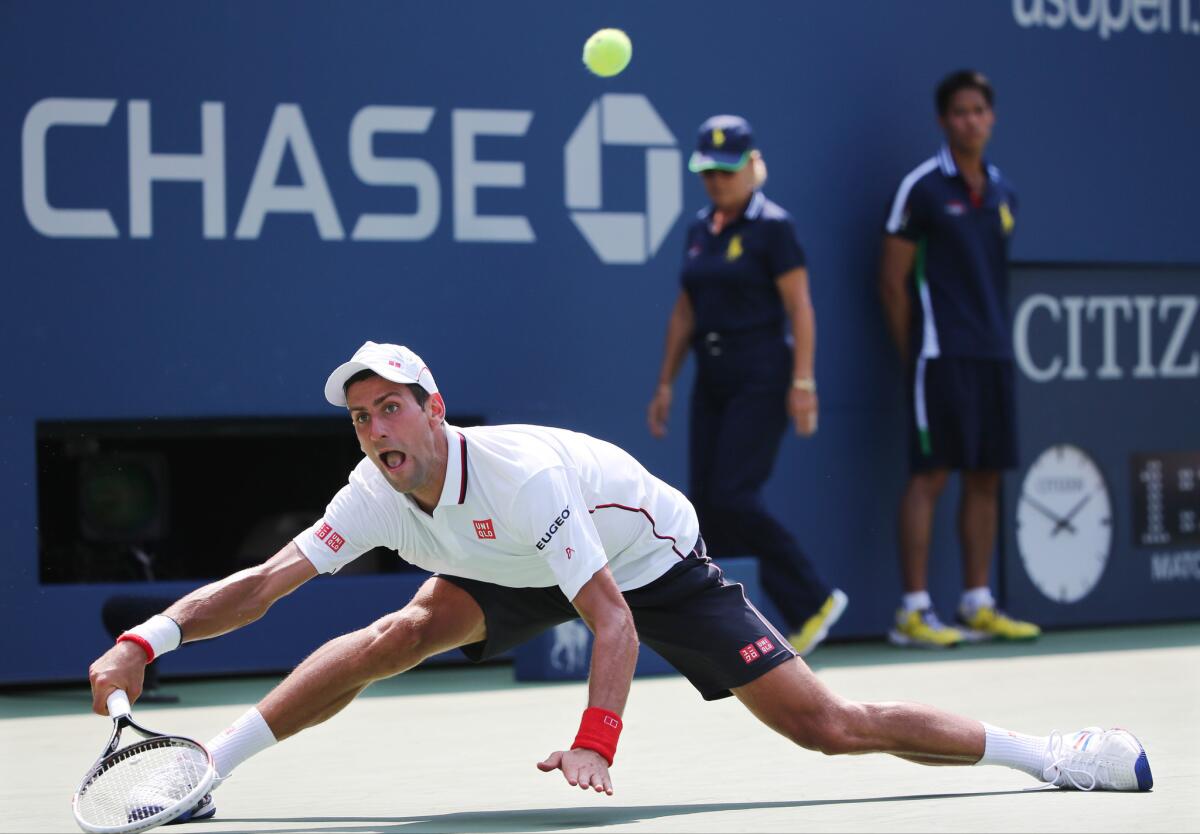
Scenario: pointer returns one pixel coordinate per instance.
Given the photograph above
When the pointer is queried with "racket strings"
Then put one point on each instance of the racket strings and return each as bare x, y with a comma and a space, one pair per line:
141, 780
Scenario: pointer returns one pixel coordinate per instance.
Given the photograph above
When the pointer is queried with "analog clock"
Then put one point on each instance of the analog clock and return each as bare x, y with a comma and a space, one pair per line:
1064, 523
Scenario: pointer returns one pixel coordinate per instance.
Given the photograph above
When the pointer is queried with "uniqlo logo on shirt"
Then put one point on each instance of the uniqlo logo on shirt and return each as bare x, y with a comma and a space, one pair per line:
764, 645
324, 531
484, 529
749, 653
335, 542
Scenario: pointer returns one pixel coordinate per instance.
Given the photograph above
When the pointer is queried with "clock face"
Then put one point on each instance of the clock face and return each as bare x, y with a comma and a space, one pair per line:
1064, 523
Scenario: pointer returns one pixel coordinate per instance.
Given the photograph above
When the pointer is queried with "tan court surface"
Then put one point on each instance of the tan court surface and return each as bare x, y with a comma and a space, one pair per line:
453, 750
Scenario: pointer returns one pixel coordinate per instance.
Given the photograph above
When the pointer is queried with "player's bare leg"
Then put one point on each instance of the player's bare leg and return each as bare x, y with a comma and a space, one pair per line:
791, 700
440, 617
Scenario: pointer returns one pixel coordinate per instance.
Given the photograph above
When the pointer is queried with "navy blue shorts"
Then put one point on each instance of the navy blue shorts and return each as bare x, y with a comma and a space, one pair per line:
701, 624
962, 414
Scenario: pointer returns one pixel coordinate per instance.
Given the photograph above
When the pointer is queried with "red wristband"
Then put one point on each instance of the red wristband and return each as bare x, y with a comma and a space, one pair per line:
599, 731
141, 641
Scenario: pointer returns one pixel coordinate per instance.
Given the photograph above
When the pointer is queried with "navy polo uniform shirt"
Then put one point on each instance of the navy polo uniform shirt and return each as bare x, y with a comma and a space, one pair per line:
962, 376
730, 277
961, 273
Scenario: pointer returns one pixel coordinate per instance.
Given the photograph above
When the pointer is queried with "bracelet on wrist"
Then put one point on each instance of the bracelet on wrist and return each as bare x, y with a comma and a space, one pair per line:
599, 731
157, 636
805, 383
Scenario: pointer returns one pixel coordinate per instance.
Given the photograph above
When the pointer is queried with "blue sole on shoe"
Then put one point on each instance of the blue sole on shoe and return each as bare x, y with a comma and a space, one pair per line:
201, 812
1141, 769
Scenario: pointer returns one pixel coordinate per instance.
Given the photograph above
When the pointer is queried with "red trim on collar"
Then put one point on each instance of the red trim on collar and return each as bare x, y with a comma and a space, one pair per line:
462, 445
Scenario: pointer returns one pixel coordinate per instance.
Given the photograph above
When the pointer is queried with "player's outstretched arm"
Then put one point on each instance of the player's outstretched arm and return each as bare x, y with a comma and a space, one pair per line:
214, 609
614, 655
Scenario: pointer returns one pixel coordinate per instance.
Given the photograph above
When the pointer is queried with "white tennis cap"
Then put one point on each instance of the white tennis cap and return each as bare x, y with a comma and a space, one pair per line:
394, 362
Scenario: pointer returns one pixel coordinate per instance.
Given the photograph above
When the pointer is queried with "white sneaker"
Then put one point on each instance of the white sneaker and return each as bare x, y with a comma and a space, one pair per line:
160, 790
167, 785
1097, 759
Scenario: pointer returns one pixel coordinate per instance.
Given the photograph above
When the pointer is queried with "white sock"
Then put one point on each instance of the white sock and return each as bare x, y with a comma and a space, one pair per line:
1022, 752
917, 601
975, 598
241, 740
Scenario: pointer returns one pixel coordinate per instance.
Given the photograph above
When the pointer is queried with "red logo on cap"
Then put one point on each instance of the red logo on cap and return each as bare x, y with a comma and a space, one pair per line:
483, 529
395, 364
748, 653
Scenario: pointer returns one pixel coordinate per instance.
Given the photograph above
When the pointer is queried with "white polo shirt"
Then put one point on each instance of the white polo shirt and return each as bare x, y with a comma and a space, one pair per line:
522, 507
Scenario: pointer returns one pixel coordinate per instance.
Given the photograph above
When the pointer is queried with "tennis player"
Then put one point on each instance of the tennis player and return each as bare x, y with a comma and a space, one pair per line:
526, 527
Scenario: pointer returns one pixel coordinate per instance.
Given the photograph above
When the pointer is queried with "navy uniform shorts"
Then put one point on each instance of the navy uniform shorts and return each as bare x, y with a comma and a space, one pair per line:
962, 414
701, 624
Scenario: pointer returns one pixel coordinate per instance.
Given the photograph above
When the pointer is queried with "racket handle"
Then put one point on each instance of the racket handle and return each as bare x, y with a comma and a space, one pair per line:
118, 703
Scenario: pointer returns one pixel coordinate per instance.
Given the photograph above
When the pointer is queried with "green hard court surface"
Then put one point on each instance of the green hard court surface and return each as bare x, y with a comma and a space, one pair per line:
453, 749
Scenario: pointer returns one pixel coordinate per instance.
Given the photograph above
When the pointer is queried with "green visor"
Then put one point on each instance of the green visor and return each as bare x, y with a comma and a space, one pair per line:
717, 162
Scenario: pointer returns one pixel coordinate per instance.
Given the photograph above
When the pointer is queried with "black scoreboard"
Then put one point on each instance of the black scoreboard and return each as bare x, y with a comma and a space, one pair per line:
1166, 499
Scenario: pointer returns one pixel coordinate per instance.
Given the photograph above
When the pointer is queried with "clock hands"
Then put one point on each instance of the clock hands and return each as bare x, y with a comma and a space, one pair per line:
1059, 523
1065, 521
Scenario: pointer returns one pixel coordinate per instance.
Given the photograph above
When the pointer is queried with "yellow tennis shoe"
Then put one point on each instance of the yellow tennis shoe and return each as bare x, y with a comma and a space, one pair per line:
816, 628
923, 629
990, 623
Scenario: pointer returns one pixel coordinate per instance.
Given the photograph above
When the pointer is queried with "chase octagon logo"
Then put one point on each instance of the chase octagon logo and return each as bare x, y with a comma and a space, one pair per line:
622, 237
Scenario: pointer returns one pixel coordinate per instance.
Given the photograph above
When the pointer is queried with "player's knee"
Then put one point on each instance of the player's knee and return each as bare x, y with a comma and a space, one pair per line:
830, 731
397, 642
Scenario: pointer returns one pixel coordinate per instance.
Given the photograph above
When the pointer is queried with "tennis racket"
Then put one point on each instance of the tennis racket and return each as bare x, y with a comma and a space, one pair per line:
143, 784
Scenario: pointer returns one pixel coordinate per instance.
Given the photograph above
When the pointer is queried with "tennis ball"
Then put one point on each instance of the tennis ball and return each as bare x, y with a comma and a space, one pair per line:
607, 52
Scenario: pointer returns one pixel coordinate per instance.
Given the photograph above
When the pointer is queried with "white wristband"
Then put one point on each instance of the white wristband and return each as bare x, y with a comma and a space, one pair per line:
160, 632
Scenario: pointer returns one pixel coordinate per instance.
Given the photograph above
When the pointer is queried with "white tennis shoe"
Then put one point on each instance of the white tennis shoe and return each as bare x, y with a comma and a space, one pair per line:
165, 788
1097, 759
159, 791
204, 809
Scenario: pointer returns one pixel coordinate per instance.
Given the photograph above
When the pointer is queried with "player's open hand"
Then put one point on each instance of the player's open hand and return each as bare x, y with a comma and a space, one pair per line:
121, 667
582, 767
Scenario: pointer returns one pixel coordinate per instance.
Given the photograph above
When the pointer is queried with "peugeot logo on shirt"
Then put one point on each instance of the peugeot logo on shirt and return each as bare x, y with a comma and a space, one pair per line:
553, 528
